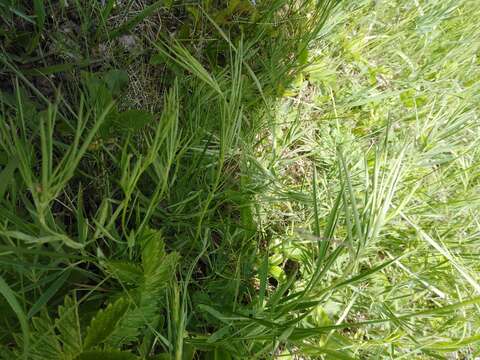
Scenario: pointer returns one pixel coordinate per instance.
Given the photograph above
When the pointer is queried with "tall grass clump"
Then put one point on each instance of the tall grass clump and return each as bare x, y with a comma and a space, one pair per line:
128, 226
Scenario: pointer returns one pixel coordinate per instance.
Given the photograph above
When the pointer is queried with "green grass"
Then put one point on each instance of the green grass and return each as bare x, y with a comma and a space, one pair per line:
385, 122
201, 180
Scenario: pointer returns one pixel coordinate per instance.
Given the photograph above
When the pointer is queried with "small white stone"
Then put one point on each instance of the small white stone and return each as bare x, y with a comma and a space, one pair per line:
129, 42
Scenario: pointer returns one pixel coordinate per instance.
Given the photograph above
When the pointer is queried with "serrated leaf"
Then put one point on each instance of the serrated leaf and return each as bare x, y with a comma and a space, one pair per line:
68, 325
105, 322
106, 355
153, 250
158, 270
44, 344
128, 329
125, 272
158, 278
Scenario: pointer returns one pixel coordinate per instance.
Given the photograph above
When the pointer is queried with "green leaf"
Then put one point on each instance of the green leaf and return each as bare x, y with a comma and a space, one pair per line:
45, 343
68, 325
130, 24
98, 93
106, 355
105, 322
188, 352
365, 274
125, 272
158, 270
303, 56
408, 98
158, 277
218, 354
107, 9
116, 80
330, 353
48, 294
215, 313
3, 157
157, 266
153, 250
219, 334
6, 176
164, 356
39, 8
182, 57
158, 59
9, 295
129, 327
133, 119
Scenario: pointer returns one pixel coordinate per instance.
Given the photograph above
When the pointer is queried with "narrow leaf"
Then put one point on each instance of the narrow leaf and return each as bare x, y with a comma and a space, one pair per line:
48, 294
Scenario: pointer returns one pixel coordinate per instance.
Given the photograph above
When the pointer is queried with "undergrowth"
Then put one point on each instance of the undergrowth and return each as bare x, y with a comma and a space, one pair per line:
239, 180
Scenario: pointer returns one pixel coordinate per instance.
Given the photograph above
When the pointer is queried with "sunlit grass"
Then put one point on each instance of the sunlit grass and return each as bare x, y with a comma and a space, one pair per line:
381, 128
